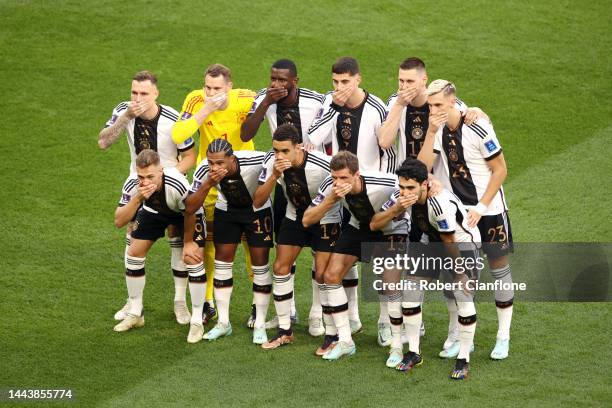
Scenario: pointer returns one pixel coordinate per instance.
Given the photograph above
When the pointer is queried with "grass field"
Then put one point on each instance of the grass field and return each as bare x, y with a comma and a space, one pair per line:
539, 69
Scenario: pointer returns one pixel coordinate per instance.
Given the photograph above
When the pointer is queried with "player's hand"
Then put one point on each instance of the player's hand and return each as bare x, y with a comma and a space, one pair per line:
274, 95
147, 191
473, 217
280, 165
308, 147
341, 190
215, 102
406, 202
136, 108
192, 253
437, 121
462, 279
216, 176
434, 186
341, 96
405, 96
472, 115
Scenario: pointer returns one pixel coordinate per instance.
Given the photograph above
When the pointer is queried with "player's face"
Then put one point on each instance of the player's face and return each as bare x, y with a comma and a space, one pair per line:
344, 81
282, 78
284, 150
343, 176
218, 161
215, 85
412, 78
439, 103
412, 187
150, 175
144, 91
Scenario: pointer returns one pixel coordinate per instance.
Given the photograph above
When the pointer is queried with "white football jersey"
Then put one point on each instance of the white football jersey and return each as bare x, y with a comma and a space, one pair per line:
461, 163
413, 125
301, 184
153, 134
237, 190
378, 187
168, 201
443, 213
355, 130
302, 116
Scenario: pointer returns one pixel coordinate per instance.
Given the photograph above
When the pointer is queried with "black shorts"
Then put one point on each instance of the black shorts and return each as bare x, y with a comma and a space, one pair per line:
320, 237
150, 226
376, 244
257, 226
496, 235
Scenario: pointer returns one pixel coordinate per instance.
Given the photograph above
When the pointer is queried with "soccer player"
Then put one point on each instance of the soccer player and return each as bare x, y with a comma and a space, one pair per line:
470, 163
149, 126
300, 173
216, 111
408, 116
444, 219
362, 193
156, 204
283, 102
235, 175
351, 120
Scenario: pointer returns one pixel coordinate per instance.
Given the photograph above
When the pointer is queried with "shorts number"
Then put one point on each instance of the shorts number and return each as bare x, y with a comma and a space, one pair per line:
267, 225
497, 232
325, 233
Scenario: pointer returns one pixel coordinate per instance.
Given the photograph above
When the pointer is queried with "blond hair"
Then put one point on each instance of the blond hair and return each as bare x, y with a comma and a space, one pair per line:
441, 85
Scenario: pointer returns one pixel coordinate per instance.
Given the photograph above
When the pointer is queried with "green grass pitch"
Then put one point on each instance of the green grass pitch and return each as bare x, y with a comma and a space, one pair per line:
539, 69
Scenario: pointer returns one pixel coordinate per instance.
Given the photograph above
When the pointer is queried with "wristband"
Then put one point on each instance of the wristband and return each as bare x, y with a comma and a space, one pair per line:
480, 208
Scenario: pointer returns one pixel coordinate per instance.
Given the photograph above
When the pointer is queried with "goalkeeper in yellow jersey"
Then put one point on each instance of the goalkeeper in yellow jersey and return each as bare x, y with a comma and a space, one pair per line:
216, 111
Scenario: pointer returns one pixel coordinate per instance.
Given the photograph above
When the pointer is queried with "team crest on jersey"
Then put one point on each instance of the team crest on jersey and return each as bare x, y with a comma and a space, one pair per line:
417, 133
491, 146
240, 117
453, 155
442, 224
318, 199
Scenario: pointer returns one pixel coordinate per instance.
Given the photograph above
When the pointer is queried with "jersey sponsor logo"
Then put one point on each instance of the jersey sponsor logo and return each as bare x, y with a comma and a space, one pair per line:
491, 146
185, 115
442, 224
209, 123
318, 199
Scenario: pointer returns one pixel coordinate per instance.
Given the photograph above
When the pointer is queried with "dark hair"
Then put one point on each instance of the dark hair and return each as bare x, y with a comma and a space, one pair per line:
286, 64
220, 145
287, 132
346, 65
216, 70
414, 169
413, 63
344, 160
147, 158
145, 76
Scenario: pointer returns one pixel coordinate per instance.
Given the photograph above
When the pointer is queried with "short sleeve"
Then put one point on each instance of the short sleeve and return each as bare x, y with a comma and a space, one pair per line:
130, 187
258, 99
267, 168
325, 189
118, 111
443, 215
199, 176
489, 145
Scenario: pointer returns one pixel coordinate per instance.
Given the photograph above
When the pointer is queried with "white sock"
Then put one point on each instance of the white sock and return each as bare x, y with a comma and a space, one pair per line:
224, 284
453, 325
330, 327
262, 286
467, 328
197, 290
316, 311
293, 308
351, 286
339, 305
179, 269
128, 241
395, 317
283, 293
413, 318
135, 281
383, 315
504, 300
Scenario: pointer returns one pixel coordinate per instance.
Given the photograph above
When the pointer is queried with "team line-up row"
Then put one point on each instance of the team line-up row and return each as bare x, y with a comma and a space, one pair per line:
345, 169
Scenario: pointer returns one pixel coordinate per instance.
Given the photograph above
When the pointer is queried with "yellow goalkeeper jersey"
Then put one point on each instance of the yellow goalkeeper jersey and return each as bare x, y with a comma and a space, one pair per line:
220, 124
